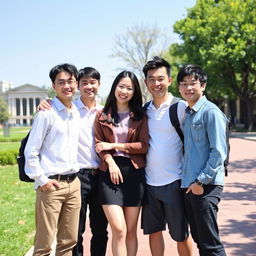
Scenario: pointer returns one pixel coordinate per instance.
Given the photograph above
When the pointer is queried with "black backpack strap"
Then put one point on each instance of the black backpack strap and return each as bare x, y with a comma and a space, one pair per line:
145, 106
173, 113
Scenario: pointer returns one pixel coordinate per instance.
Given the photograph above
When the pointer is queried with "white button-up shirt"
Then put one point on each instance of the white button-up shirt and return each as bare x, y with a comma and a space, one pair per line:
165, 147
52, 146
87, 156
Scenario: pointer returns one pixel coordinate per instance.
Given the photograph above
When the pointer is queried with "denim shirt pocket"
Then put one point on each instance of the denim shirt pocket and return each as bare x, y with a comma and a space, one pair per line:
197, 130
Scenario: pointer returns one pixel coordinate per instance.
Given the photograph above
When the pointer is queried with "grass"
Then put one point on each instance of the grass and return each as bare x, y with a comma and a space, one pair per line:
17, 213
6, 146
16, 133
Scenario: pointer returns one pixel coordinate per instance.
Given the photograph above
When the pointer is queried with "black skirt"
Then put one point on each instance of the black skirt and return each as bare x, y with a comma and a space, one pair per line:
128, 193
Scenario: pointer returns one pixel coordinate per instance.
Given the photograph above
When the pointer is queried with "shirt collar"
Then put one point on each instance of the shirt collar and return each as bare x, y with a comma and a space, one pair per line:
165, 103
198, 104
59, 105
81, 105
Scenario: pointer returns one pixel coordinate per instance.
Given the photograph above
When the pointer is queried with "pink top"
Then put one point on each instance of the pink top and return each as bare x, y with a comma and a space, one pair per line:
121, 132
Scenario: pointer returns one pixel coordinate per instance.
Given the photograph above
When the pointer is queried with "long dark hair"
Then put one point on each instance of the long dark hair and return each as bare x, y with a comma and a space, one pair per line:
135, 103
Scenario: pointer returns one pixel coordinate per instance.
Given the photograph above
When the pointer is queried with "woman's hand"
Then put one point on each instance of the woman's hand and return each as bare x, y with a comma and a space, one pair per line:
101, 146
114, 171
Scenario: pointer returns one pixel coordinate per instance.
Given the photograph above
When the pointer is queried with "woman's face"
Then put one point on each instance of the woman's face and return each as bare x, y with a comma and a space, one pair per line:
124, 91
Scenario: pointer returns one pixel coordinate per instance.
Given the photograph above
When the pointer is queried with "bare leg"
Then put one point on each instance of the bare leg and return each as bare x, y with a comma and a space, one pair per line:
115, 216
156, 242
131, 218
185, 247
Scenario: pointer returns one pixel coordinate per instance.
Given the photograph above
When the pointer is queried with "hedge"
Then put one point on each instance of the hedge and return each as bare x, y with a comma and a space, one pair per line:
8, 157
2, 139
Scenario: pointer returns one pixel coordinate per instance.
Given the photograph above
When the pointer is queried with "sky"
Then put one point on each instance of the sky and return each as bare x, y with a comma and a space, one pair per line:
36, 35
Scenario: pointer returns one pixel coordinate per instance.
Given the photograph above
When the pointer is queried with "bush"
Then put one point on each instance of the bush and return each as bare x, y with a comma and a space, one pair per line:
3, 139
8, 157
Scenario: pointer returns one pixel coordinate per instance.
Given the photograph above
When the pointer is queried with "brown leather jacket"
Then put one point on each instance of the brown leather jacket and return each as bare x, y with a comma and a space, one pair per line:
137, 139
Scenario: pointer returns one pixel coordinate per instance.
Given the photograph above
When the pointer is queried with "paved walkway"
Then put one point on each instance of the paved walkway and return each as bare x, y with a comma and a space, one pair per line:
237, 210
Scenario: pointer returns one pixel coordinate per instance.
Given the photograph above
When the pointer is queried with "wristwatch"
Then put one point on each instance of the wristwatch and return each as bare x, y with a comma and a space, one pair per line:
199, 183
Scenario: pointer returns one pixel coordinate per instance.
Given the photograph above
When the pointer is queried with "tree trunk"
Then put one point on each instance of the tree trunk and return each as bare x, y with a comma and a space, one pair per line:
249, 113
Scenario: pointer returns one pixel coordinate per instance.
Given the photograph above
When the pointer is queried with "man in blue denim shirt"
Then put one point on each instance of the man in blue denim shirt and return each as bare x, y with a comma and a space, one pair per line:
203, 167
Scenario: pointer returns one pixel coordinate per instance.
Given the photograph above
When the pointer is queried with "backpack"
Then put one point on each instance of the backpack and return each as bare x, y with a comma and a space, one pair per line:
21, 161
173, 115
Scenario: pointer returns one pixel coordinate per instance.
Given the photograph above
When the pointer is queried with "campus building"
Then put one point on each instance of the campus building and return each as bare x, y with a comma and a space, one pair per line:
22, 101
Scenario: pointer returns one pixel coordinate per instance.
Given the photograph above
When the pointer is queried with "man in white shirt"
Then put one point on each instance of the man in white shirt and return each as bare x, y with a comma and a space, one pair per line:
51, 160
164, 204
88, 85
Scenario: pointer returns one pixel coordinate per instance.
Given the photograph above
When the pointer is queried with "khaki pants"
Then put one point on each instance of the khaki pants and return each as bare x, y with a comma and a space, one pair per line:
57, 213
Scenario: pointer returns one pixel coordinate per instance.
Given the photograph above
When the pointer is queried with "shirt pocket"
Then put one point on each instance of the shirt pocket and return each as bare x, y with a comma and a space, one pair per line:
197, 131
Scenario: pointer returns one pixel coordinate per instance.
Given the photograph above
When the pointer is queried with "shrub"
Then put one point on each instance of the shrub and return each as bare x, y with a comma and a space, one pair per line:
8, 157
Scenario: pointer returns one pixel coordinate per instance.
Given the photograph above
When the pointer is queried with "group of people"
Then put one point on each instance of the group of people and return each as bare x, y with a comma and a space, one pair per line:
121, 157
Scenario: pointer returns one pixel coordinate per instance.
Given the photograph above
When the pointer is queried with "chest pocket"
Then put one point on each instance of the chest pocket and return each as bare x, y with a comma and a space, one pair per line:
198, 131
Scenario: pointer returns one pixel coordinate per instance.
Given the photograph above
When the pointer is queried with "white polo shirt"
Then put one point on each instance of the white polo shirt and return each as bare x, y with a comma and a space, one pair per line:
87, 157
53, 143
165, 154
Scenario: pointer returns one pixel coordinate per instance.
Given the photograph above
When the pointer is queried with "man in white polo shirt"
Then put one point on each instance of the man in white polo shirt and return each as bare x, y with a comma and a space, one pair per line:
164, 204
51, 160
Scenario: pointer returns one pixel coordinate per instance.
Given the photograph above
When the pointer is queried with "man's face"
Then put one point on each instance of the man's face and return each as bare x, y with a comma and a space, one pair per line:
157, 82
65, 86
191, 89
88, 88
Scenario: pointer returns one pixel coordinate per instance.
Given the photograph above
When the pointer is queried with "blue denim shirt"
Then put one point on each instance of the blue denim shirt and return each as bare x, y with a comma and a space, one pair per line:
205, 144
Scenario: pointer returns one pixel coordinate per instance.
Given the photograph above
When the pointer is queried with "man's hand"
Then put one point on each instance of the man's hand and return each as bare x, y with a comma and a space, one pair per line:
195, 189
44, 105
49, 185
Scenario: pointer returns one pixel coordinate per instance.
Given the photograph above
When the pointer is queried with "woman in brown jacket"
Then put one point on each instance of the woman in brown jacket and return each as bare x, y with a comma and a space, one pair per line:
121, 136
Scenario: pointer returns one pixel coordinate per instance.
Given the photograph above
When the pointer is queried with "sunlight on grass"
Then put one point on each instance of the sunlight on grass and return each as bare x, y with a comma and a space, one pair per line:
17, 213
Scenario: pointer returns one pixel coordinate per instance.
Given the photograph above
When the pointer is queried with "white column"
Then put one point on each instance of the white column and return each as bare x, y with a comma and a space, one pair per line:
21, 107
34, 104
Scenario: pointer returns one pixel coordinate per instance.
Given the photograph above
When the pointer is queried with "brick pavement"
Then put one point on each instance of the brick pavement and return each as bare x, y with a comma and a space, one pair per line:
237, 211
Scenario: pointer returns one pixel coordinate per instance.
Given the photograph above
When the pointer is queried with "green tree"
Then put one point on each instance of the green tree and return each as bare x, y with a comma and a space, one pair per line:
220, 36
3, 111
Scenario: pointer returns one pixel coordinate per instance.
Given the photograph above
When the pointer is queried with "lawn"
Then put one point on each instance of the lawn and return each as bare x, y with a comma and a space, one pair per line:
16, 134
17, 213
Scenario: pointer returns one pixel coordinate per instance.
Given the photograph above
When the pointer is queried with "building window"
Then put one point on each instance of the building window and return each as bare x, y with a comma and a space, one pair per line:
17, 102
24, 106
31, 106
37, 101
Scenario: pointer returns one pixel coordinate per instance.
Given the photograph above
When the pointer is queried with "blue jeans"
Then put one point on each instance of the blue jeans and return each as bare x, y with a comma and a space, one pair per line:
98, 221
201, 211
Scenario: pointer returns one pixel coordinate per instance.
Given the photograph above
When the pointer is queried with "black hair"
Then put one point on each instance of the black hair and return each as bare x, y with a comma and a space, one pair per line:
157, 62
135, 103
194, 70
66, 67
88, 72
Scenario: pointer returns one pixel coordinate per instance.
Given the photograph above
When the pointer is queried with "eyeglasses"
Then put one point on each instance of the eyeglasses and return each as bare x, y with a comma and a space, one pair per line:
192, 84
64, 82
